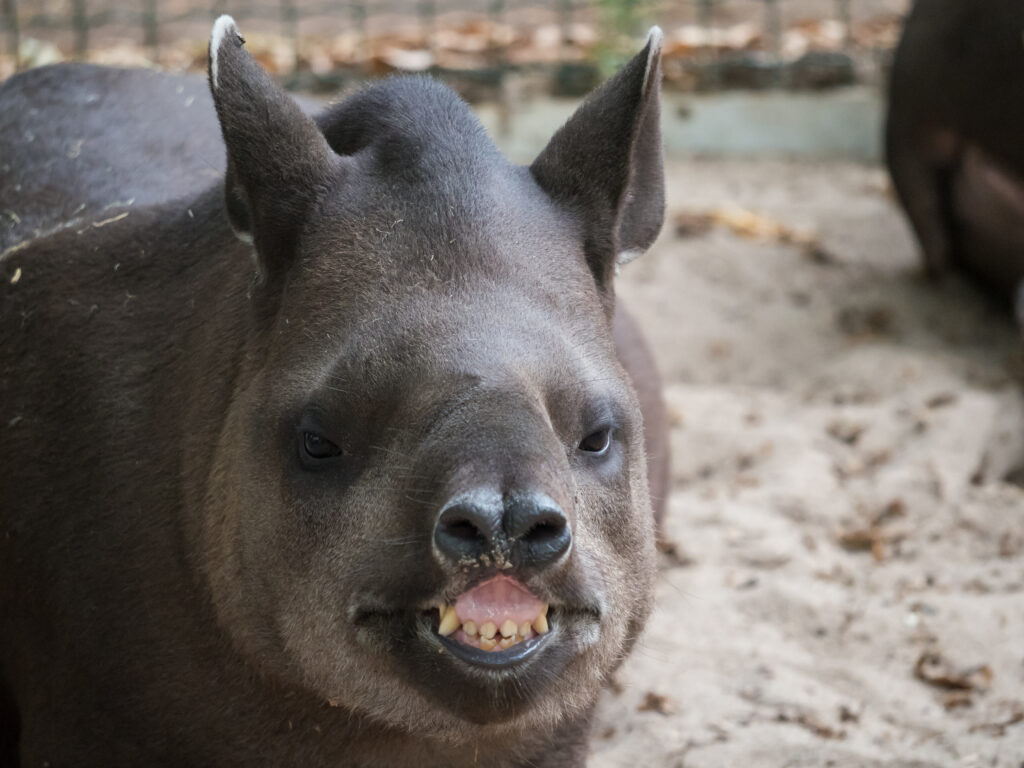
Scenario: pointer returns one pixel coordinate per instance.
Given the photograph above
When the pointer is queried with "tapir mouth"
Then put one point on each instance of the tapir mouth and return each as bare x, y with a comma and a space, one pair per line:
492, 650
497, 622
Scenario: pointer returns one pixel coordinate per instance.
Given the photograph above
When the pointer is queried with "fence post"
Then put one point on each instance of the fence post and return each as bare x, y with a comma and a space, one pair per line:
565, 23
773, 31
428, 27
80, 20
496, 58
13, 35
359, 22
708, 59
290, 30
845, 18
150, 32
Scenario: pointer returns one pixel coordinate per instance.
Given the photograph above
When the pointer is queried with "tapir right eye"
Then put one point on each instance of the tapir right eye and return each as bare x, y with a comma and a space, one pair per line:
318, 447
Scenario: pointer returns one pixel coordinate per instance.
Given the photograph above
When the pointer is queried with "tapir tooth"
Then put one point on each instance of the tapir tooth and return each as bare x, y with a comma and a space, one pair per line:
487, 644
507, 642
524, 628
469, 628
449, 622
508, 629
540, 624
488, 629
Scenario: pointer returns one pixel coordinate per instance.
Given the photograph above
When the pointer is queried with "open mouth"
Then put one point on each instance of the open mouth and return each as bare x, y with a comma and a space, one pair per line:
499, 615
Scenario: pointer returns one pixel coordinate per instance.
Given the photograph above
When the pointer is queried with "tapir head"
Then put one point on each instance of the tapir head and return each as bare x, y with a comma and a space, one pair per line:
429, 502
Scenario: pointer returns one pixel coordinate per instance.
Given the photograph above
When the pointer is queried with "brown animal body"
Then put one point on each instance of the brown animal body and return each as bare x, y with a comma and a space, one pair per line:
953, 138
263, 433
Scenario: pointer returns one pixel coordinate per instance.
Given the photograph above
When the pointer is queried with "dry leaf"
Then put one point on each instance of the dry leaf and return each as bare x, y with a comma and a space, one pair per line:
657, 702
936, 670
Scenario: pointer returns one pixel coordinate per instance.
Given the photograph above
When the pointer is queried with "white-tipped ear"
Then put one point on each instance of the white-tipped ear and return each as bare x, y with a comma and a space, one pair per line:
224, 25
278, 161
605, 164
655, 40
628, 255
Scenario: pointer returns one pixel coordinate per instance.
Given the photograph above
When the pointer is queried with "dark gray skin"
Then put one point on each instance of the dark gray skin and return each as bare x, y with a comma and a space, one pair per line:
181, 581
953, 141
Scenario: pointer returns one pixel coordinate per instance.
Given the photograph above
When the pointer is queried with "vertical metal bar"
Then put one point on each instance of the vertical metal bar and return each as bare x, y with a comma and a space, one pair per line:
565, 10
13, 31
359, 22
290, 30
846, 19
497, 59
704, 14
708, 58
150, 32
428, 26
773, 32
80, 20
496, 53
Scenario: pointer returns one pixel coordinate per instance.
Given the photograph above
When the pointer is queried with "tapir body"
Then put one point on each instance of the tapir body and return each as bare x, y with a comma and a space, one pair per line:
953, 138
266, 434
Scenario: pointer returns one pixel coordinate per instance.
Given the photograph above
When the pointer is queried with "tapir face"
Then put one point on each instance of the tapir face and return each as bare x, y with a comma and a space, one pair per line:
430, 504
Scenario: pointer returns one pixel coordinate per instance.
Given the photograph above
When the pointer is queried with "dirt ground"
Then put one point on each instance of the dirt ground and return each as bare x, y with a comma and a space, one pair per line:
849, 583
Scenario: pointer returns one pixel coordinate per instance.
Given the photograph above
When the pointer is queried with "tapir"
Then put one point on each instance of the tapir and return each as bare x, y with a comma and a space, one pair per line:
323, 439
953, 139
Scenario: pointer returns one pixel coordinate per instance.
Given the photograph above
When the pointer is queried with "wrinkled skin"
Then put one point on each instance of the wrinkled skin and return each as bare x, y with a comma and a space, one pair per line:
180, 583
953, 138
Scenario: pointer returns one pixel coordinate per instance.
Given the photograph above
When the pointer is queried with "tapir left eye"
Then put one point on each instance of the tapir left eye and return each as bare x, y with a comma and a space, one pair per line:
318, 447
596, 442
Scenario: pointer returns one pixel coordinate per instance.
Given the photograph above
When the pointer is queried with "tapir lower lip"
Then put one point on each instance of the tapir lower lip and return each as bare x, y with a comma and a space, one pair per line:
496, 660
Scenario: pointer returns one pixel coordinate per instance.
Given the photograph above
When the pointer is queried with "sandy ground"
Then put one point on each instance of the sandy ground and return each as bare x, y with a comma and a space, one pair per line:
849, 589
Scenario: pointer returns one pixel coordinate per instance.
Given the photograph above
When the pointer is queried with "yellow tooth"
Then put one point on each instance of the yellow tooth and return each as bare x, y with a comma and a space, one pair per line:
524, 629
487, 644
469, 628
449, 622
507, 642
488, 629
441, 608
508, 629
540, 624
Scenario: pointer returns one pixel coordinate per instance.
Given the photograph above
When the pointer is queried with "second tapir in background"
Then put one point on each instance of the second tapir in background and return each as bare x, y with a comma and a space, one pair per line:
954, 141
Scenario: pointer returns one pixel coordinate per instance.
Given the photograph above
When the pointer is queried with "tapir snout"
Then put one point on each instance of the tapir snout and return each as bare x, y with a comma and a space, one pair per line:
525, 529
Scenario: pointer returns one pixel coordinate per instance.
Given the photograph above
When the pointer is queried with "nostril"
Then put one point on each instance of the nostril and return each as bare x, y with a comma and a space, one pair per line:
545, 531
539, 529
465, 530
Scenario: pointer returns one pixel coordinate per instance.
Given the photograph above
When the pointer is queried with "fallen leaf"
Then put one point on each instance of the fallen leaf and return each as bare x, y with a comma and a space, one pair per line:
936, 670
692, 224
998, 728
810, 721
657, 702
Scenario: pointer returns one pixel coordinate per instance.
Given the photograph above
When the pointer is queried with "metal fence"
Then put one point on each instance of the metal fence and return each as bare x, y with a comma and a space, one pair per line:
313, 44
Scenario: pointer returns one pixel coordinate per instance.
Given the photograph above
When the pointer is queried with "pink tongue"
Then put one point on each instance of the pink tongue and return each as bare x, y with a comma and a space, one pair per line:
498, 600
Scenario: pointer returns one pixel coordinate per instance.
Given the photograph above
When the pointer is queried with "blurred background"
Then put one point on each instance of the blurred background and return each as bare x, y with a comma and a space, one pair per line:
511, 56
842, 582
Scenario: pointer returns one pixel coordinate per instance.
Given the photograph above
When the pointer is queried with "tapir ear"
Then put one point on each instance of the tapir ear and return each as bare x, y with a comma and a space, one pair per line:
278, 161
605, 163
